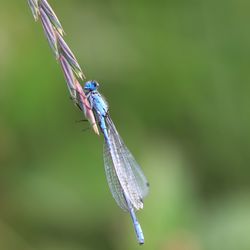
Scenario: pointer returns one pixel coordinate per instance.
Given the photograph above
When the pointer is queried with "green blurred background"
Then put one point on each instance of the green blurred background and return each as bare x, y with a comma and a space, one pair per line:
176, 76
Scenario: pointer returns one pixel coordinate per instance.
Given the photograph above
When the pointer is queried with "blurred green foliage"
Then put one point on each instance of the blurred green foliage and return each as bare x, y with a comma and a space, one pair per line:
176, 76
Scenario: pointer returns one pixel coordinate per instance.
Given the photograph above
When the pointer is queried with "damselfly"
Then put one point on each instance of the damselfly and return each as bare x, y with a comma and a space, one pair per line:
125, 178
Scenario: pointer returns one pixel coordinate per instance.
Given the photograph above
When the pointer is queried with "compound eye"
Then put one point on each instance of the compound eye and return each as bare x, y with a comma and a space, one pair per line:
95, 84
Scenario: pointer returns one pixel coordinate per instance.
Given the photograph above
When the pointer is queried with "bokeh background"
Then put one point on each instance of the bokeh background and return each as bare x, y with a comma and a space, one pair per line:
176, 76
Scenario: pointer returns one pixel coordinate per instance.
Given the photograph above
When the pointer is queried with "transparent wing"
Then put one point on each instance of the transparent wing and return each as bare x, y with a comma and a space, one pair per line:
113, 181
131, 178
141, 180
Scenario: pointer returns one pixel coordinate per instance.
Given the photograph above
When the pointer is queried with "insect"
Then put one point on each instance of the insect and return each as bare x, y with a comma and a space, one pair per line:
126, 180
